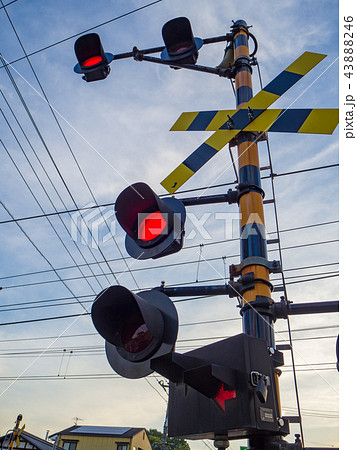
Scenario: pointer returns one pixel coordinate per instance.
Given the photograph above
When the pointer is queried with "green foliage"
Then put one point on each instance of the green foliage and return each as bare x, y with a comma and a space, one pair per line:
155, 438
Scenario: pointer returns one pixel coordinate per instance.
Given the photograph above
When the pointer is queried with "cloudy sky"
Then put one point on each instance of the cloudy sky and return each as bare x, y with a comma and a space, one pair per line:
67, 144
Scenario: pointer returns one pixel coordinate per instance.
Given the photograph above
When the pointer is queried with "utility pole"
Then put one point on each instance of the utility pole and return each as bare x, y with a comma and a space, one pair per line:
252, 225
253, 248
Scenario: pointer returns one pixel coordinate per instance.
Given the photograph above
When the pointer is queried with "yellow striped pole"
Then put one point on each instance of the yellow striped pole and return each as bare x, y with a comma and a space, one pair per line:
252, 225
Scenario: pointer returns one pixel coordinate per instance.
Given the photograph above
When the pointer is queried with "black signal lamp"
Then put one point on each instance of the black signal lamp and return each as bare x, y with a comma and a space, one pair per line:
93, 62
154, 226
181, 45
136, 327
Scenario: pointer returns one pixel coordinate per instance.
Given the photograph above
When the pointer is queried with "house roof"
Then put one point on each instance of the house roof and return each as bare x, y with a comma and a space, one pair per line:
39, 443
94, 430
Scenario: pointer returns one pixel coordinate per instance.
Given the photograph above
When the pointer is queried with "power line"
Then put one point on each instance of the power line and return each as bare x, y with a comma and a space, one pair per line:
174, 301
110, 204
39, 303
119, 259
95, 349
59, 127
161, 266
98, 376
8, 4
294, 172
324, 275
234, 319
81, 32
40, 252
28, 112
38, 203
145, 268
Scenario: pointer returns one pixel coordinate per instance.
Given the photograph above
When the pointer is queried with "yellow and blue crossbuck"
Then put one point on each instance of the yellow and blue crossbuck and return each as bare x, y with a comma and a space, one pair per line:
254, 117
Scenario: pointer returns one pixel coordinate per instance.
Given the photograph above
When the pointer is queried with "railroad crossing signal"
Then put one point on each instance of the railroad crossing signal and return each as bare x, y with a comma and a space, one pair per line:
226, 389
254, 117
93, 62
154, 226
136, 328
180, 44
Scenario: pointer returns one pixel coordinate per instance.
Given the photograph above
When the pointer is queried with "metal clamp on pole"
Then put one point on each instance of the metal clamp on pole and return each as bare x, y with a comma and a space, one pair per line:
273, 266
242, 62
261, 305
245, 187
245, 282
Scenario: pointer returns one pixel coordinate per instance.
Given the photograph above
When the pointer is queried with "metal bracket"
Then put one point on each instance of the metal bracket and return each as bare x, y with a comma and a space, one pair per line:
245, 188
273, 266
245, 282
261, 304
137, 54
241, 189
241, 61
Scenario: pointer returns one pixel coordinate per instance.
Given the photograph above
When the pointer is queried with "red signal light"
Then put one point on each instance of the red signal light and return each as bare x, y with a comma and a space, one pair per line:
92, 61
223, 395
151, 226
154, 226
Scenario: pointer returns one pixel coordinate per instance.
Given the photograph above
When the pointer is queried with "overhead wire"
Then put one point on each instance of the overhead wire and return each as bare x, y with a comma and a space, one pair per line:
145, 268
331, 241
148, 267
23, 102
205, 322
8, 4
78, 229
111, 204
81, 32
65, 139
74, 158
48, 220
277, 288
44, 257
84, 349
101, 376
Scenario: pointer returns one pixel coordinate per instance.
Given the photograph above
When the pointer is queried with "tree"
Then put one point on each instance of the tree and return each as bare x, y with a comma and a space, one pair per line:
156, 437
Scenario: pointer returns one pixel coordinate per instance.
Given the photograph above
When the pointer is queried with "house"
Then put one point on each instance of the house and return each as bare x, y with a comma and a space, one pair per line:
85, 437
27, 441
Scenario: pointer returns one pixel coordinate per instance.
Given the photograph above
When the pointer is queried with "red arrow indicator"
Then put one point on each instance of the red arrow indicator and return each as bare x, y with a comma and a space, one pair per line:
223, 395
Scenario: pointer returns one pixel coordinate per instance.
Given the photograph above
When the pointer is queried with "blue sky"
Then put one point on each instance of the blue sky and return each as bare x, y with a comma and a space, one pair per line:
118, 132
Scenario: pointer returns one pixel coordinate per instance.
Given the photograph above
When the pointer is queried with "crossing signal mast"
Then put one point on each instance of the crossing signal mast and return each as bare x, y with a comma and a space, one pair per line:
229, 389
